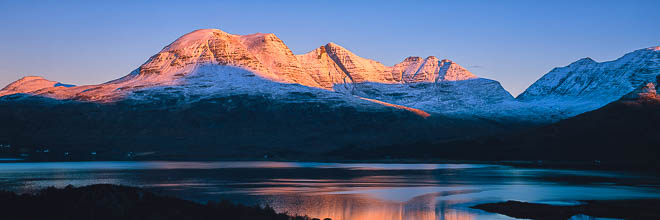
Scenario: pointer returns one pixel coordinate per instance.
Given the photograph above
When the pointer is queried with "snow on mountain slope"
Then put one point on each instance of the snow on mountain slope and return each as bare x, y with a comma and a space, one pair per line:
473, 98
205, 83
211, 63
587, 85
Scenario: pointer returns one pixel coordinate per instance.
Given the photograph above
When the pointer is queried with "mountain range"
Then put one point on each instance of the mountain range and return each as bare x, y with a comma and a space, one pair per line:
222, 95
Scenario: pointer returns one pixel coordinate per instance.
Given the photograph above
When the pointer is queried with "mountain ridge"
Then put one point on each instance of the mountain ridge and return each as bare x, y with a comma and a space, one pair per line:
586, 85
262, 64
264, 56
267, 56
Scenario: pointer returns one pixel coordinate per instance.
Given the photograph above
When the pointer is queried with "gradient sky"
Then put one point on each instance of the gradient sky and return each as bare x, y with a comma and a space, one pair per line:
514, 42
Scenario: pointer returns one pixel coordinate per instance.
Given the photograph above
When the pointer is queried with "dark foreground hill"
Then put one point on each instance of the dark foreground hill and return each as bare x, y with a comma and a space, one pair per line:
102, 202
623, 133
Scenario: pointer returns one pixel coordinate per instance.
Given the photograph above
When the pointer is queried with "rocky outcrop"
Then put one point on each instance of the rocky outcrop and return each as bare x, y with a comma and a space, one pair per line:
645, 93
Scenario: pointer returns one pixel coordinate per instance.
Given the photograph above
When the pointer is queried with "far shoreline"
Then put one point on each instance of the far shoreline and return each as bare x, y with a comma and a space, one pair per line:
565, 165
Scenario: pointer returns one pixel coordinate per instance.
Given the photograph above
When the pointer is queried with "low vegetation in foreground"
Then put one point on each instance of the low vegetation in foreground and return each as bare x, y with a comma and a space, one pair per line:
120, 202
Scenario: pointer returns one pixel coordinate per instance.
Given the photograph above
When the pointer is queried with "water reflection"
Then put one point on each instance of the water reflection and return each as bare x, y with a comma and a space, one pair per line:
355, 206
343, 191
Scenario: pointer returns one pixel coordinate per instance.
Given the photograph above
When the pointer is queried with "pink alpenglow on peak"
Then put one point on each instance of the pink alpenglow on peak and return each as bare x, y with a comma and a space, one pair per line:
210, 62
265, 55
32, 84
332, 64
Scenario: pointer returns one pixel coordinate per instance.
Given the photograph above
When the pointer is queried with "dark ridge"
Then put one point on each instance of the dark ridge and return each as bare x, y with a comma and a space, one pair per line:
232, 127
621, 134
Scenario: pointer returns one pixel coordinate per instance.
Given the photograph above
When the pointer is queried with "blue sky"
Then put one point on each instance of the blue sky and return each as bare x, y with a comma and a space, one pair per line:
514, 42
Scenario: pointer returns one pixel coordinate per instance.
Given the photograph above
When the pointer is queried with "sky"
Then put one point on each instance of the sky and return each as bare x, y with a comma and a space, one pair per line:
513, 42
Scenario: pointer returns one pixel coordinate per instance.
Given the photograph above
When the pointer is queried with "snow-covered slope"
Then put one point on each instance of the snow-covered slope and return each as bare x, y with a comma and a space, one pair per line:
210, 63
205, 83
472, 98
587, 85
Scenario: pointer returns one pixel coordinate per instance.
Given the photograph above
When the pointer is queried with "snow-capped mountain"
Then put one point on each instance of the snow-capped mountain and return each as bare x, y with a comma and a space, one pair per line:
210, 62
587, 85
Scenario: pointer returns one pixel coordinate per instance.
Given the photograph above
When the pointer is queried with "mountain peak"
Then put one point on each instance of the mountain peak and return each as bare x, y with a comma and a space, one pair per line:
30, 84
213, 46
335, 48
586, 60
30, 78
450, 71
262, 36
196, 36
333, 44
412, 59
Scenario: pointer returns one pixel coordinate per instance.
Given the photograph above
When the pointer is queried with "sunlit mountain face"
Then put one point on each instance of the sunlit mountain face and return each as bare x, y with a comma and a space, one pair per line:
262, 56
210, 63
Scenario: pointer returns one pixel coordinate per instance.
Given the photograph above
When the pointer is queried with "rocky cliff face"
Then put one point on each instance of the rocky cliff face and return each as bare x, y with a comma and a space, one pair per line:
416, 69
332, 64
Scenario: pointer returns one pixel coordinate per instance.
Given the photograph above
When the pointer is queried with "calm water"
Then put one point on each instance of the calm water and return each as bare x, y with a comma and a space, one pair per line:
343, 191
